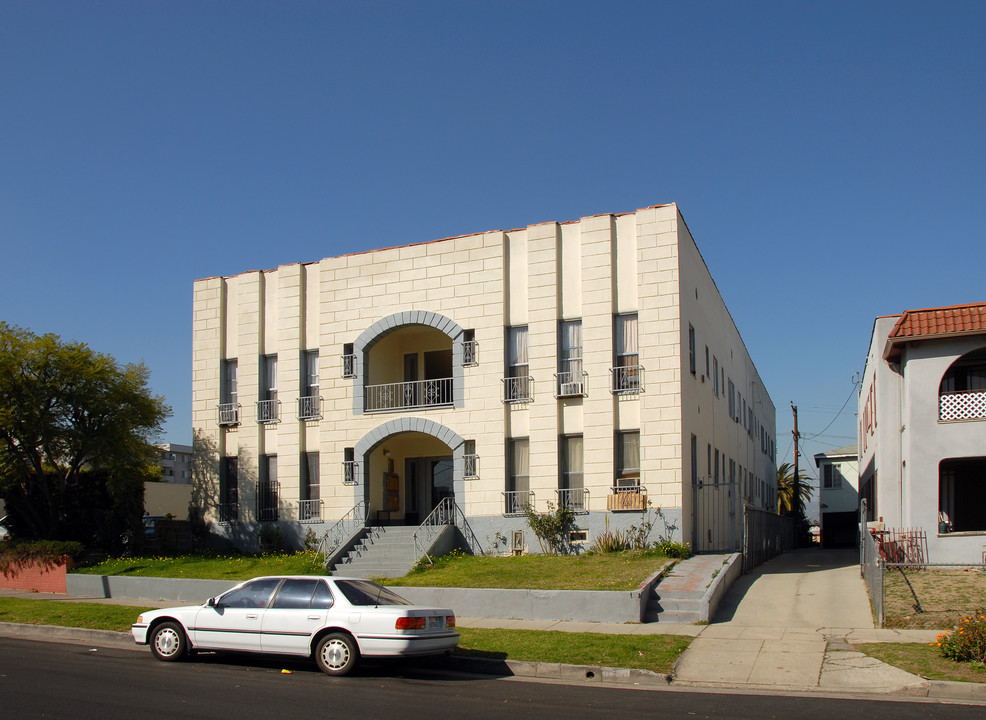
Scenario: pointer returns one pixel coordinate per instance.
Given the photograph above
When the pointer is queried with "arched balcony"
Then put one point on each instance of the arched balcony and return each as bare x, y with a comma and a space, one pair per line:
962, 392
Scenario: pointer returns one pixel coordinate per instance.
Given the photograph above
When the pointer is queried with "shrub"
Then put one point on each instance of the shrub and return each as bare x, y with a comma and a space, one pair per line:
46, 553
674, 549
609, 541
552, 529
270, 538
966, 642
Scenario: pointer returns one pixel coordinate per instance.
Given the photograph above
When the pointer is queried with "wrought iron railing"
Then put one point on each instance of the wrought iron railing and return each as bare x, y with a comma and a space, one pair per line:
229, 414
470, 466
627, 496
627, 380
349, 366
350, 472
267, 494
968, 405
310, 407
445, 513
571, 384
408, 395
228, 512
268, 411
518, 389
470, 352
516, 502
310, 511
343, 530
575, 499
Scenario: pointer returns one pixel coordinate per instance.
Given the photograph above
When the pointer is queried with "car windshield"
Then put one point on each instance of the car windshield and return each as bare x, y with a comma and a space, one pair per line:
365, 592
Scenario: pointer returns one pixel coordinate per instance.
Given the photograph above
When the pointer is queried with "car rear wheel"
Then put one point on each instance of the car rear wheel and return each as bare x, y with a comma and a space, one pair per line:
168, 642
336, 654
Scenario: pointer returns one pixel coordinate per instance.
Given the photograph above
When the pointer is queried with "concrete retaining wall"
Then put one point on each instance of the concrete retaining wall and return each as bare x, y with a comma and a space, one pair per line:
145, 588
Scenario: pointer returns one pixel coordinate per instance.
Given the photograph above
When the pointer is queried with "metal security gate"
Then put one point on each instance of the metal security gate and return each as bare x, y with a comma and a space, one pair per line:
716, 528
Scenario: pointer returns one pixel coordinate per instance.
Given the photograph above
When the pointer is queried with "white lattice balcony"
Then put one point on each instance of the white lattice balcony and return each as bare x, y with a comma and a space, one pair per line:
969, 405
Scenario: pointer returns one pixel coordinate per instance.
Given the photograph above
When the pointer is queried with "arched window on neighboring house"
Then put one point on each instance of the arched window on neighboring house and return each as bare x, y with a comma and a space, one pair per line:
962, 392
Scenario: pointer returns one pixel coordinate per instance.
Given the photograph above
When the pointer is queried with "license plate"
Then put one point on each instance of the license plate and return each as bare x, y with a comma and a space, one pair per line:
435, 623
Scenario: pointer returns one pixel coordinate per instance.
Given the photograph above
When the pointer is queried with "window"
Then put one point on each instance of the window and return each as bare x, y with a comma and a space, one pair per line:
309, 402
470, 460
517, 384
297, 594
311, 503
691, 349
469, 348
628, 459
267, 406
348, 361
962, 495
570, 463
228, 490
715, 469
254, 594
732, 400
267, 488
626, 369
707, 372
831, 476
517, 494
228, 408
715, 375
350, 468
570, 358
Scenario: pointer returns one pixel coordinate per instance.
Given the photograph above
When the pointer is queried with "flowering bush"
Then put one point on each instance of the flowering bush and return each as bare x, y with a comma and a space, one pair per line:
674, 549
966, 641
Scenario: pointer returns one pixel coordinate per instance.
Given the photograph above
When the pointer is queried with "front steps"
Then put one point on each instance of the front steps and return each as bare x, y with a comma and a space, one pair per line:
383, 552
680, 596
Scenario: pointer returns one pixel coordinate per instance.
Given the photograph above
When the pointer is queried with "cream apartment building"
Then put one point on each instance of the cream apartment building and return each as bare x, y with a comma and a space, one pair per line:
590, 363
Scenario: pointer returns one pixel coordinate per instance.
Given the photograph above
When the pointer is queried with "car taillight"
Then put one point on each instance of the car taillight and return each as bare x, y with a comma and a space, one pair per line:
411, 623
450, 621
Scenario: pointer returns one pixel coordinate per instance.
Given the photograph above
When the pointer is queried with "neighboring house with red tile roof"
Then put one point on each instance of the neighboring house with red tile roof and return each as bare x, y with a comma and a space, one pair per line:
922, 427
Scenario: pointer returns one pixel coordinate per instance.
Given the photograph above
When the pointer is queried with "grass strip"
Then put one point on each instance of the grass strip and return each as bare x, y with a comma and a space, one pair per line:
924, 660
93, 616
209, 567
656, 653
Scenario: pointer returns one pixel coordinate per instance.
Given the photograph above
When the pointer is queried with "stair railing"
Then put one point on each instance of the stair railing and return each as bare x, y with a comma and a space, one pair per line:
342, 531
446, 513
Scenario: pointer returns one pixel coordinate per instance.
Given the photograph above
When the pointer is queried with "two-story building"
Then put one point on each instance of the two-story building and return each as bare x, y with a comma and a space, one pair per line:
838, 496
922, 428
590, 364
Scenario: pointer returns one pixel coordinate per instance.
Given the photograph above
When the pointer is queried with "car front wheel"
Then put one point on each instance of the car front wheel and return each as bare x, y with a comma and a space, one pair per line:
336, 654
168, 642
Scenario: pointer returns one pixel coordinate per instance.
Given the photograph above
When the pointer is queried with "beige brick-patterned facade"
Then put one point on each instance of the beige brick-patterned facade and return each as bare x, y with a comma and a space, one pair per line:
400, 417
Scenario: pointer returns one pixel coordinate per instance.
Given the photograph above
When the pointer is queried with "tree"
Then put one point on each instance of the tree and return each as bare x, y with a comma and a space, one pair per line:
786, 504
75, 429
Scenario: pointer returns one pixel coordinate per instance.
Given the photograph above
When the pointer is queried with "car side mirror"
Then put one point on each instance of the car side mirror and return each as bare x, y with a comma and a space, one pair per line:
212, 602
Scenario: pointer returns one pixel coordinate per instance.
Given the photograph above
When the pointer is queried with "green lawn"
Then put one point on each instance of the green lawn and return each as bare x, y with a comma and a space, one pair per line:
922, 659
209, 567
603, 571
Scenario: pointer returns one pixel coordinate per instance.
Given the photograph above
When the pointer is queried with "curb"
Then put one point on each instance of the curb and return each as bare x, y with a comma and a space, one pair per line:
585, 674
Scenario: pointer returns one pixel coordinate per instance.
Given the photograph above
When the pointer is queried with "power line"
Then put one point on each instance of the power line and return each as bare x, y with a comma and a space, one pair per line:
855, 385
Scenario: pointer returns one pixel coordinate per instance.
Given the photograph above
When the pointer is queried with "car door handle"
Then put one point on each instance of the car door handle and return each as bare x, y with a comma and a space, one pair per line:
251, 617
314, 617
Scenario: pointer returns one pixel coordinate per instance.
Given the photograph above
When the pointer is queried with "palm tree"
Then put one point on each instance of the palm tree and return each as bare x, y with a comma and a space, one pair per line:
786, 502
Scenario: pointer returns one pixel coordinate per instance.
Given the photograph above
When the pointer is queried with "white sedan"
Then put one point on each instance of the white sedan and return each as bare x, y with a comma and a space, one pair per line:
335, 620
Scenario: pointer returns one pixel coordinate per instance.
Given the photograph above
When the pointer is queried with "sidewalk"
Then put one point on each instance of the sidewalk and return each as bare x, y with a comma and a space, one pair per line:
785, 628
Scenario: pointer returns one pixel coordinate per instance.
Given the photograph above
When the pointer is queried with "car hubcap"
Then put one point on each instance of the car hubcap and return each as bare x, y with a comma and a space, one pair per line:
336, 654
167, 642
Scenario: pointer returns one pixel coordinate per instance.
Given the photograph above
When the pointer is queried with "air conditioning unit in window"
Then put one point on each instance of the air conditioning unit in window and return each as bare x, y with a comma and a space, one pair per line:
572, 388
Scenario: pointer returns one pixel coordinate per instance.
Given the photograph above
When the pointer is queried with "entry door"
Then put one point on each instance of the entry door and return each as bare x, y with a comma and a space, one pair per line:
441, 481
411, 380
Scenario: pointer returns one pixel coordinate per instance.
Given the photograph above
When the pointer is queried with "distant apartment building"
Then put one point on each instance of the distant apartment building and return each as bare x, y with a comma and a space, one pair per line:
922, 428
838, 496
589, 364
175, 462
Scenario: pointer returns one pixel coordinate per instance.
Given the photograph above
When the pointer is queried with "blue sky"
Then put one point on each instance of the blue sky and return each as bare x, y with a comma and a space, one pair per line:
823, 154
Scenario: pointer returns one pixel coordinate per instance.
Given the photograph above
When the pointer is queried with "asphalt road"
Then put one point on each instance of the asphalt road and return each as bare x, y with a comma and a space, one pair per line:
50, 680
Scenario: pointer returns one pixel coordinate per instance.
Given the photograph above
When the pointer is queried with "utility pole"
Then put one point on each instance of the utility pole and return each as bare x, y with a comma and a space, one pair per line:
796, 500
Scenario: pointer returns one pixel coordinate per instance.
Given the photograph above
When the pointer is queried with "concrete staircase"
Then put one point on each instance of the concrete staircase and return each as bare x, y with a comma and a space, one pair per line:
382, 552
680, 596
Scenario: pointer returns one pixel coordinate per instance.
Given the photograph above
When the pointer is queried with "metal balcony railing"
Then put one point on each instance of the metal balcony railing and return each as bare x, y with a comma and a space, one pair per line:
627, 380
408, 395
470, 466
571, 384
348, 366
267, 494
268, 411
515, 502
470, 352
310, 407
228, 512
518, 389
575, 499
229, 414
310, 511
350, 472
627, 495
